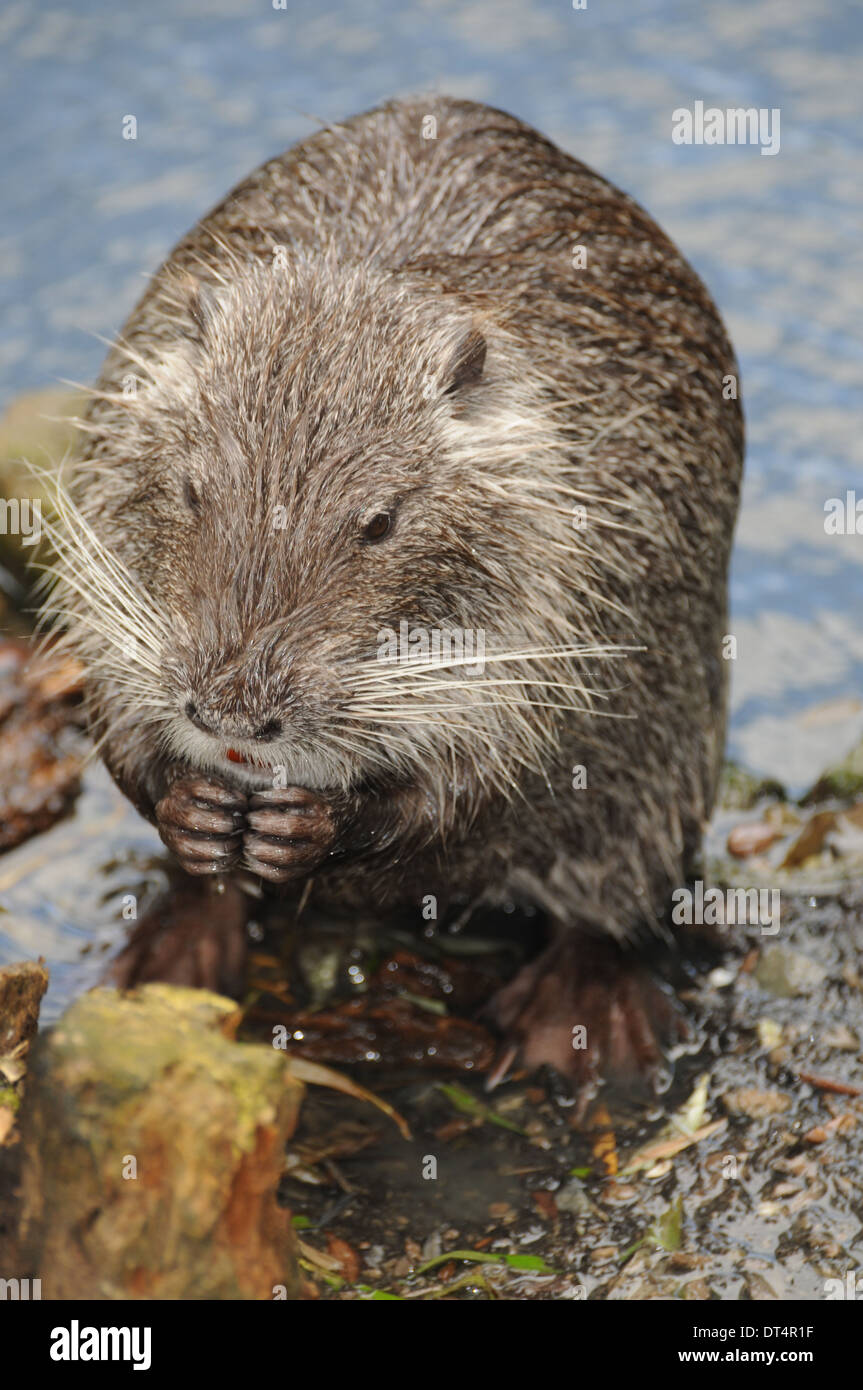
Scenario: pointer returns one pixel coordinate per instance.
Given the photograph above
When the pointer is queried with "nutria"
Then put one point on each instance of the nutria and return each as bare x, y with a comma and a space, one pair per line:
425, 381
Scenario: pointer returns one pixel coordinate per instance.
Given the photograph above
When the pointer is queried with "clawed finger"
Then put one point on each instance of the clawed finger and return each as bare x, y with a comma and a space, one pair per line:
273, 873
281, 851
191, 848
212, 793
288, 799
190, 815
289, 824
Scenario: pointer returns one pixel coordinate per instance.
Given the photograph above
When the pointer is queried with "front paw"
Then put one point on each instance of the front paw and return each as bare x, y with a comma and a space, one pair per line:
201, 821
290, 831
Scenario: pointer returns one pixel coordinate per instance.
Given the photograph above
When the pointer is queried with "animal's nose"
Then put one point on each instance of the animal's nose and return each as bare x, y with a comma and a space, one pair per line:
194, 715
264, 732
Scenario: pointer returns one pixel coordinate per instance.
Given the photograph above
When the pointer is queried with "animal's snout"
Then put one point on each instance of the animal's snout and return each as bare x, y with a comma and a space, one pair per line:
263, 731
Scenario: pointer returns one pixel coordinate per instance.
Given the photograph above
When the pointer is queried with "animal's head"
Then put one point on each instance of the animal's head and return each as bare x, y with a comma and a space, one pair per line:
325, 526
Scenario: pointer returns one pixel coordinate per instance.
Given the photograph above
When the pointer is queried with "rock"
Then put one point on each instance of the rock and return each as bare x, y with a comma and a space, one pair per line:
756, 1104
786, 973
721, 978
758, 1290
755, 838
573, 1198
841, 1039
769, 1033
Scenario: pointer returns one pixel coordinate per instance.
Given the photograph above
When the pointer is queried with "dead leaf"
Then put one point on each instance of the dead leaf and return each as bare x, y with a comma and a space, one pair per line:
823, 1083
667, 1148
347, 1257
604, 1146
314, 1074
810, 840
329, 1263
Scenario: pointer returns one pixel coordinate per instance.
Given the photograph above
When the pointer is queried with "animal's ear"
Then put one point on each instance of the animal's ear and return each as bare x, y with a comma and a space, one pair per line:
465, 368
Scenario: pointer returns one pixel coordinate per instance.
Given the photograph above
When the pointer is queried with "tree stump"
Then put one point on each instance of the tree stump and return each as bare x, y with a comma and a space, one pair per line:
21, 989
152, 1149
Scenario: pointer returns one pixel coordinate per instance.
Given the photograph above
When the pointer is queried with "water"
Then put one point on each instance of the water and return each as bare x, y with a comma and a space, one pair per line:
65, 894
218, 87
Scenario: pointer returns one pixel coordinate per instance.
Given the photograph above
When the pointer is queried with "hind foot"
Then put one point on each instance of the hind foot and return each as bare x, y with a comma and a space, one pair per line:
587, 1009
194, 935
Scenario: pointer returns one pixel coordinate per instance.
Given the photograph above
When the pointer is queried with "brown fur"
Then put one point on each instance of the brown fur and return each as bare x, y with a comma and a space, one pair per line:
343, 375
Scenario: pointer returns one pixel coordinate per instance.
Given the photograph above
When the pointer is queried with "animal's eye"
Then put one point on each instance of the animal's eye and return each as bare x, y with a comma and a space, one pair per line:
379, 526
191, 495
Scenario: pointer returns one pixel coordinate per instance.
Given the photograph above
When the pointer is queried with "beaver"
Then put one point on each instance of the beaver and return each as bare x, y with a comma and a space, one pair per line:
398, 558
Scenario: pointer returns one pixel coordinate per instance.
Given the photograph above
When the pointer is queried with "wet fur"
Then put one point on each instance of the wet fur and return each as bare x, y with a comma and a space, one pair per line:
335, 377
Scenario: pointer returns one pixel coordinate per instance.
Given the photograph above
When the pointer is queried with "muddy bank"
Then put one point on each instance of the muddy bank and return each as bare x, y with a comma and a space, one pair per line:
745, 1184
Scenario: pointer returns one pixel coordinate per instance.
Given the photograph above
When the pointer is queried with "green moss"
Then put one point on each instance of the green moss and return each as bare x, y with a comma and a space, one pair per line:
740, 790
